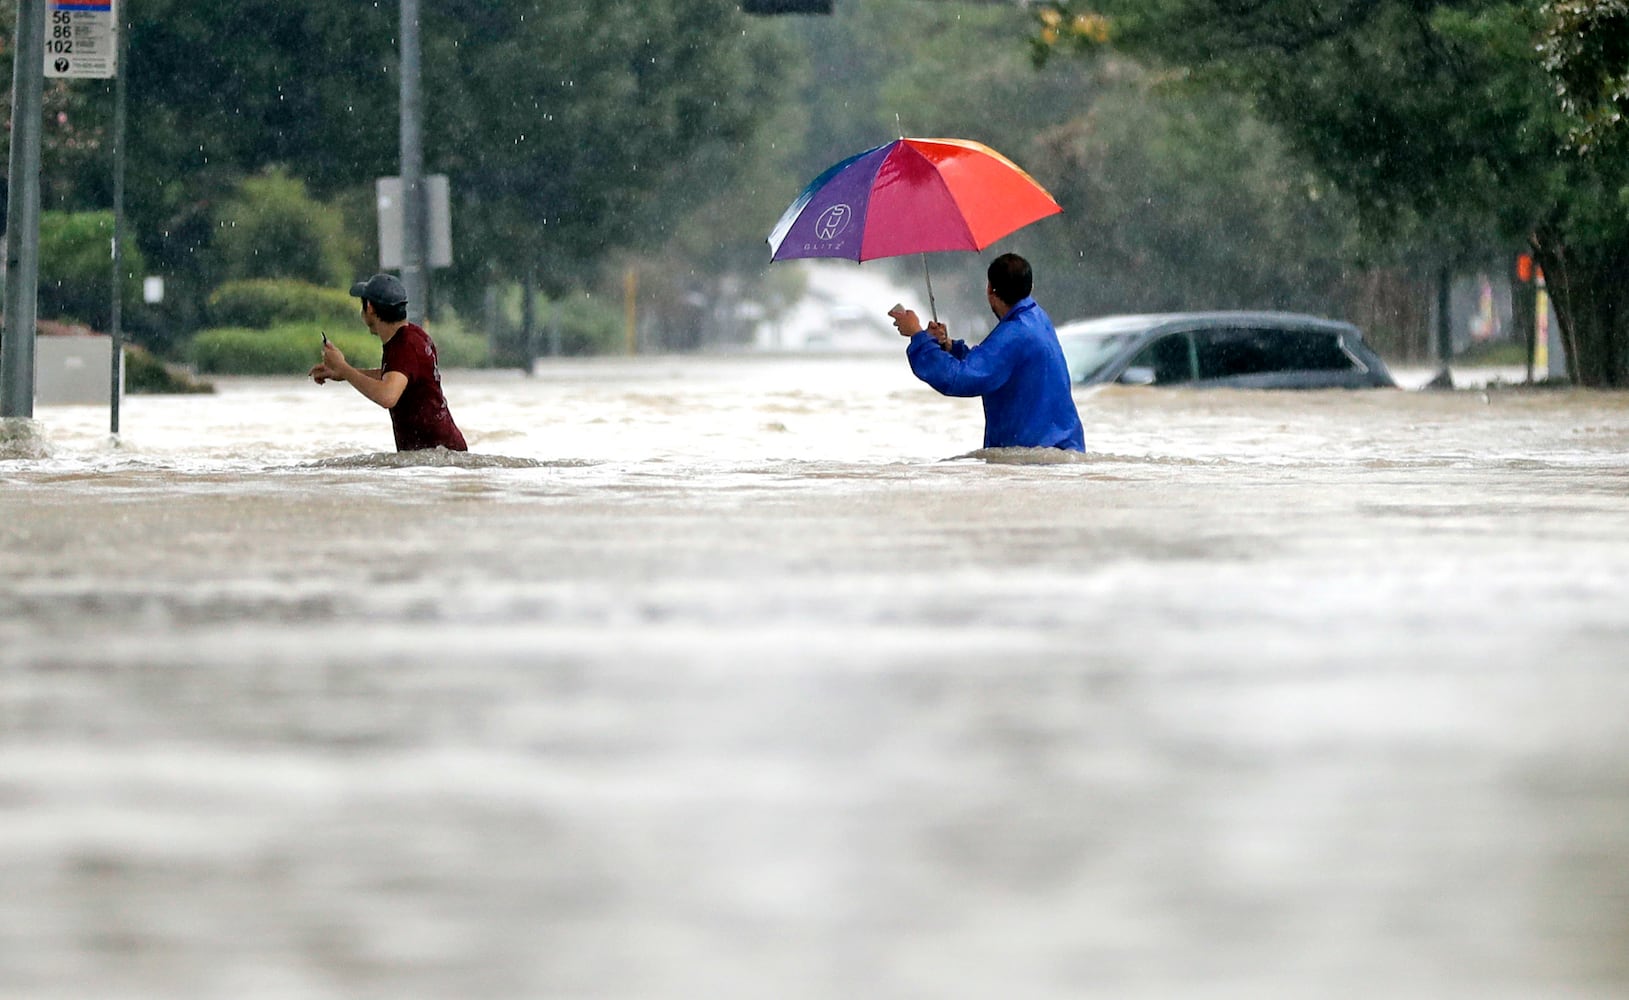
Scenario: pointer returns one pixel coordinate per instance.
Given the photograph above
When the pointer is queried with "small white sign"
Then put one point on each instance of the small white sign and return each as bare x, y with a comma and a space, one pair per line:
82, 39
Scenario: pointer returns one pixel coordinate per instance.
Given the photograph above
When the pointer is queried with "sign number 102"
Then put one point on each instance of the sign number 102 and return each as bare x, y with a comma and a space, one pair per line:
61, 40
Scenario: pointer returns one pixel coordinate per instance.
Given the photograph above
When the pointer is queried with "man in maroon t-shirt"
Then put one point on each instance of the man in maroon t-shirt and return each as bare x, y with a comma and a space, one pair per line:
407, 383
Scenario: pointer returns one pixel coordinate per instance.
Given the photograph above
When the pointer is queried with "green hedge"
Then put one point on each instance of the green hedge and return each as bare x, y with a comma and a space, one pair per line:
144, 373
584, 324
458, 348
588, 325
292, 348
287, 349
267, 302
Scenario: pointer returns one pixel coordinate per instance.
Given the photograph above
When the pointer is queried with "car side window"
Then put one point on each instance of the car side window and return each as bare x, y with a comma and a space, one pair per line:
1170, 358
1321, 352
1232, 352
1225, 353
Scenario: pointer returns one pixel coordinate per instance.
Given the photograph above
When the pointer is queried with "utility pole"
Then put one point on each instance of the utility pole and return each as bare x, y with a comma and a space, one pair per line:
23, 214
415, 273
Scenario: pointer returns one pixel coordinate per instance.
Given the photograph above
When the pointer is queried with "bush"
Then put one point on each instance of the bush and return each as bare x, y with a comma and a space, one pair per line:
287, 349
587, 325
265, 302
144, 373
76, 271
457, 347
273, 229
292, 348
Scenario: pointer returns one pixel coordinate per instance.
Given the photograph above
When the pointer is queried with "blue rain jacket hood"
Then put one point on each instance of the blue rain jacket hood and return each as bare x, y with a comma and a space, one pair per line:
1020, 372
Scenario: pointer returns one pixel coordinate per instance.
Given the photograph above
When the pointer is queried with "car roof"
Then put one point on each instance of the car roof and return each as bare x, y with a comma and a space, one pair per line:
1101, 326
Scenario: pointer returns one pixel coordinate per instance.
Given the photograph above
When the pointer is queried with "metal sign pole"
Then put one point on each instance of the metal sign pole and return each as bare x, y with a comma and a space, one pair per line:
116, 366
23, 214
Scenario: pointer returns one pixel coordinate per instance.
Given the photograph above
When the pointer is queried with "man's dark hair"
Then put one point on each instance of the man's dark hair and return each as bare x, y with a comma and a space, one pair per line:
1011, 278
391, 313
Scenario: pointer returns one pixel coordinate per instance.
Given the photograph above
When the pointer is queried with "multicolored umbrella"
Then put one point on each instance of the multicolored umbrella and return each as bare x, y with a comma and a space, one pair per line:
910, 196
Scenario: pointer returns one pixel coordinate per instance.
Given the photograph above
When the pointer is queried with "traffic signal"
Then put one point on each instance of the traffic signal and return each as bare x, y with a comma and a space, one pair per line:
786, 6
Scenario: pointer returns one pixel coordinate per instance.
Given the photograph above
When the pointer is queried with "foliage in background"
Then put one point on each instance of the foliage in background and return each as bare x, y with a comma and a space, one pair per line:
76, 269
572, 130
292, 348
1175, 203
1172, 198
267, 302
1586, 50
270, 227
701, 285
588, 324
145, 373
1439, 119
216, 93
285, 349
568, 131
457, 347
577, 323
671, 133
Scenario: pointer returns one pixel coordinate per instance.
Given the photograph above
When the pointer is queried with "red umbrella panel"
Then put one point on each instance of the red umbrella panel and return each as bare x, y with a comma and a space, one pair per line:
910, 196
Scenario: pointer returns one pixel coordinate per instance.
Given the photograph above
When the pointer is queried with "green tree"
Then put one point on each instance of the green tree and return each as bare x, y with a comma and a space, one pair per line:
1437, 117
271, 228
1586, 50
75, 272
568, 130
1178, 204
573, 130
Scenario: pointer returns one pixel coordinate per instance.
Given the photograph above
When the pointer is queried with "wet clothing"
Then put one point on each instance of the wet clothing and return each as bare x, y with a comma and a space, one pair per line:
1020, 372
420, 417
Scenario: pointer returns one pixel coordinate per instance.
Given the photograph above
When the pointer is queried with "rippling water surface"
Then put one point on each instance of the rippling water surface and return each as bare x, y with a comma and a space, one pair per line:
750, 678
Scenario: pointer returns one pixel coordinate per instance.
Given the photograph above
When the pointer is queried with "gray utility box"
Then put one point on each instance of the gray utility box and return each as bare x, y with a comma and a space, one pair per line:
73, 371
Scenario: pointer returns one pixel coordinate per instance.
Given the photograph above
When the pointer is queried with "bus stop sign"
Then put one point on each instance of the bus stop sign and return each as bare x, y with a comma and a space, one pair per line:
82, 39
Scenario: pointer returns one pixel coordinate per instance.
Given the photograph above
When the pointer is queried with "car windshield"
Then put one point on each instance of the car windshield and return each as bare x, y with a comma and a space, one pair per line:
1088, 353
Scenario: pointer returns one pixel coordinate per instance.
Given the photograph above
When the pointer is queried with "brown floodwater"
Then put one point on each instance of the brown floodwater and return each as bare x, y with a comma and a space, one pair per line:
749, 677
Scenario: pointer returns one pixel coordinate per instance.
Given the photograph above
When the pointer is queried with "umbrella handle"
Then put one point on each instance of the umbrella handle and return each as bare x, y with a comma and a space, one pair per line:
932, 306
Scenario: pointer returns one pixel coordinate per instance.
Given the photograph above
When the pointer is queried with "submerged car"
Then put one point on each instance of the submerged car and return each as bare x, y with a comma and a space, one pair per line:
1242, 350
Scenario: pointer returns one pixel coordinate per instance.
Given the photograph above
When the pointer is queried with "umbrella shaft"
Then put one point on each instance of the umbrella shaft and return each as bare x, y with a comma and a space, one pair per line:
933, 307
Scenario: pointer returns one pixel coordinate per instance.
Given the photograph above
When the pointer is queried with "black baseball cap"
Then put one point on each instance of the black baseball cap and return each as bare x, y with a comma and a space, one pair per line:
382, 289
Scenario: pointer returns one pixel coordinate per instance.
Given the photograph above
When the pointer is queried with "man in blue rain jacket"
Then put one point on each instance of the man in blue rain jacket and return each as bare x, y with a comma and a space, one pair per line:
1019, 369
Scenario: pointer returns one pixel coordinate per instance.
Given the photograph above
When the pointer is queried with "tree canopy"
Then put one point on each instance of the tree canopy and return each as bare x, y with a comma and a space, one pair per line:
566, 130
1586, 50
1434, 114
1206, 153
